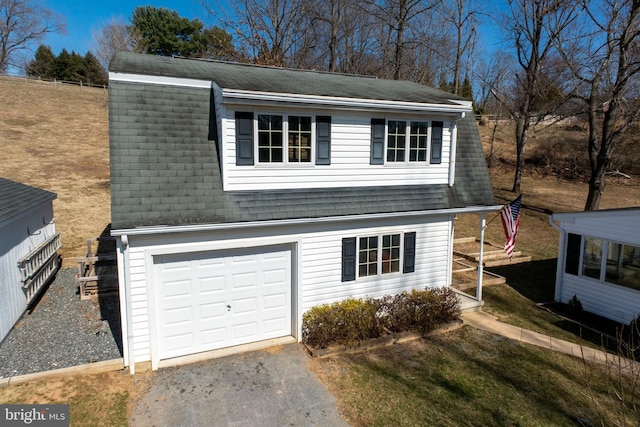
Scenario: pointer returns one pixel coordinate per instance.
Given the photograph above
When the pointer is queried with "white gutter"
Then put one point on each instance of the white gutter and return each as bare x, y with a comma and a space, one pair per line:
235, 96
125, 293
483, 225
561, 259
454, 144
165, 229
231, 96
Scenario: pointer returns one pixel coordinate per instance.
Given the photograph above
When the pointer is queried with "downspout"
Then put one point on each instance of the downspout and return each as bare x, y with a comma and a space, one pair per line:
127, 334
483, 225
454, 143
561, 256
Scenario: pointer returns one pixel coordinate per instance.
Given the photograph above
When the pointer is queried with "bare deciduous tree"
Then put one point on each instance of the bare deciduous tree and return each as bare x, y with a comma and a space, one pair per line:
112, 37
532, 27
463, 16
397, 18
23, 24
603, 55
267, 30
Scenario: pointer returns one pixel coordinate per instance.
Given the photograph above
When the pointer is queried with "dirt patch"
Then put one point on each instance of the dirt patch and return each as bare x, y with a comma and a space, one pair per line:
105, 399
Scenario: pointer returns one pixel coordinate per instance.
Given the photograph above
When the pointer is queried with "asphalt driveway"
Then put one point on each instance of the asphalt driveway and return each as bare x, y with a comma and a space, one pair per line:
261, 388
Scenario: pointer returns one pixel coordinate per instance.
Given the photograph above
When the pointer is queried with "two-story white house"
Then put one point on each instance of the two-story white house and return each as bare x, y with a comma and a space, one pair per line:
244, 195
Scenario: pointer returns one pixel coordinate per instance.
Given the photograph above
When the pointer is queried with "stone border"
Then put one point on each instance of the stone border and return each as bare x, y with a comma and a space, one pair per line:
392, 338
89, 368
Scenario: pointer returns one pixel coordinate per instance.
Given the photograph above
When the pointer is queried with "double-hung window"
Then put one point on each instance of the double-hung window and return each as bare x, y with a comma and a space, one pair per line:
406, 141
299, 139
396, 140
375, 255
275, 147
270, 138
282, 139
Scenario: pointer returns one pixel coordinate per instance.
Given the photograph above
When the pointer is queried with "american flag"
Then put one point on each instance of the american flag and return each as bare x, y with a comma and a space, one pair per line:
510, 220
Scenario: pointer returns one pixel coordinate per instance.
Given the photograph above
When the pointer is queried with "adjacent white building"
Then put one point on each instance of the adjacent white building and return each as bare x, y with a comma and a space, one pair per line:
599, 261
28, 248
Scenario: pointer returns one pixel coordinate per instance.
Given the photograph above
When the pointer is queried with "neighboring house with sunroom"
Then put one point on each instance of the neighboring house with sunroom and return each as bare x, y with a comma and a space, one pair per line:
599, 261
28, 248
244, 195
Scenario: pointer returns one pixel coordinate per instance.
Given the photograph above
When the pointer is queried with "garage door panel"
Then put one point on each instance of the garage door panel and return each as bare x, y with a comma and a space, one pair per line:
244, 281
214, 336
177, 316
275, 301
213, 284
178, 288
272, 326
275, 276
243, 332
179, 343
214, 311
245, 306
212, 300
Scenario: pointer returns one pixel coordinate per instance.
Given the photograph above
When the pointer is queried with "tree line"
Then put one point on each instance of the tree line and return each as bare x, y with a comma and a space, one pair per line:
66, 66
559, 57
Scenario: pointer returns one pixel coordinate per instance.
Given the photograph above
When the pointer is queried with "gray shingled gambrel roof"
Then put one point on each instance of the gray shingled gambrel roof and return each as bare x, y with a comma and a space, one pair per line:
16, 198
280, 80
164, 170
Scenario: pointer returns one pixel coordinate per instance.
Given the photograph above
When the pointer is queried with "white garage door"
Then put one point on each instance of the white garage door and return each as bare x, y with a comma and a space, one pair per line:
211, 300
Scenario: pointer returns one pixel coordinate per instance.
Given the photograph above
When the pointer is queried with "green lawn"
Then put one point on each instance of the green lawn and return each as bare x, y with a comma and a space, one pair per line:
469, 378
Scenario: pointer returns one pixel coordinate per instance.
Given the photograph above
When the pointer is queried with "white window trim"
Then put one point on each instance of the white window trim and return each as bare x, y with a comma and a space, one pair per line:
602, 280
379, 255
406, 161
285, 141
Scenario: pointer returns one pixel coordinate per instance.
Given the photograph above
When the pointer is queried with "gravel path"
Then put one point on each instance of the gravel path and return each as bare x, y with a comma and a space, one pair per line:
62, 331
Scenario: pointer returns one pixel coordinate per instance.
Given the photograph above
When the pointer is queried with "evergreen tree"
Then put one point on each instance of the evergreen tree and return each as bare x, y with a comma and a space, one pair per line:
93, 72
160, 31
217, 44
42, 64
466, 91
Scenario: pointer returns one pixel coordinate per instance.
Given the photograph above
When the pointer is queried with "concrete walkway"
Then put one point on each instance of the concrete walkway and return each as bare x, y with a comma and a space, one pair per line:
489, 323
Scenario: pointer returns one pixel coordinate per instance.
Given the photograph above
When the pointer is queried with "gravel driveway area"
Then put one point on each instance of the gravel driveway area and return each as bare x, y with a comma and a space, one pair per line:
62, 331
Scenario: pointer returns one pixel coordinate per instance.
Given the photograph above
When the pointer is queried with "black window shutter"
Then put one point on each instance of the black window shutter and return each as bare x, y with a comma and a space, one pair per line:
572, 261
377, 141
409, 265
348, 259
323, 140
436, 142
244, 138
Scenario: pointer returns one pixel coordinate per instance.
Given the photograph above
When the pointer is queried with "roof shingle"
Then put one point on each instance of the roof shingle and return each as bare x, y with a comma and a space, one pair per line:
16, 198
165, 170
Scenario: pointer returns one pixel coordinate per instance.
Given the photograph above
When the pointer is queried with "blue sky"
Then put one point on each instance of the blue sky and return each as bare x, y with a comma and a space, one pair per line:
83, 17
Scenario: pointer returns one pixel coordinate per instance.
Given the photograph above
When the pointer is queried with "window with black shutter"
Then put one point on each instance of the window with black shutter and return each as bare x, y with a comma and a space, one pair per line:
348, 259
244, 138
323, 140
436, 142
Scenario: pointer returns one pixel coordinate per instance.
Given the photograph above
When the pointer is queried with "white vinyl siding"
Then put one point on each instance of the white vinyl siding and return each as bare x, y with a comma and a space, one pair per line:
17, 239
615, 302
350, 158
317, 267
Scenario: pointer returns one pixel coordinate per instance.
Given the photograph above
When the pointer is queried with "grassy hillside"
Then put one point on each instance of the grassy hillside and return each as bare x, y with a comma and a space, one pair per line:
56, 137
